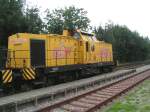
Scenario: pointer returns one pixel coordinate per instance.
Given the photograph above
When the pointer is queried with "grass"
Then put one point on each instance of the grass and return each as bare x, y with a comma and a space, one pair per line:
137, 100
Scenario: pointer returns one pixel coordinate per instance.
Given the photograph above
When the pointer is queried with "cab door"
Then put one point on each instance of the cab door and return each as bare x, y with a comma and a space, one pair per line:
37, 52
88, 52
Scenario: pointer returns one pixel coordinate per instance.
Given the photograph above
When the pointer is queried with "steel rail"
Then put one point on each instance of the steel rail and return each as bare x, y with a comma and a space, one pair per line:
94, 99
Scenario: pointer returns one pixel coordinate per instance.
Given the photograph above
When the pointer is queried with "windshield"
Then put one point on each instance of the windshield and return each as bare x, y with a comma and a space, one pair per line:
76, 35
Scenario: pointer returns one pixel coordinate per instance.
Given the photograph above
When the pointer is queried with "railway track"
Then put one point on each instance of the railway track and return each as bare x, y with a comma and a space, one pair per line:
94, 99
35, 100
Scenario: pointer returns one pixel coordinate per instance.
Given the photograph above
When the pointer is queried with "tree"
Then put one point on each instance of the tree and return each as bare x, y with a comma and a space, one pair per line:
10, 17
128, 46
99, 32
68, 18
14, 18
33, 22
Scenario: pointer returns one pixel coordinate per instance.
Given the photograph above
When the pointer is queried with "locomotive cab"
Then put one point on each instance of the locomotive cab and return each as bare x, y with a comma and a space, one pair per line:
91, 50
94, 51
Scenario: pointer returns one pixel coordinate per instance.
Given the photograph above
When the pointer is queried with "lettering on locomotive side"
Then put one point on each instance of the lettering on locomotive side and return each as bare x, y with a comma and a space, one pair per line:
62, 51
104, 52
18, 40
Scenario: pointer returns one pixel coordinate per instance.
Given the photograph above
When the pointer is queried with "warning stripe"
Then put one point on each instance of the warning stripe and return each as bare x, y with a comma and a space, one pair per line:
7, 76
25, 77
31, 71
28, 74
5, 73
10, 80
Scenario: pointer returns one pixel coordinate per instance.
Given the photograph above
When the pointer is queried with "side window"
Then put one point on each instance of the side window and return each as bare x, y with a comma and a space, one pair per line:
93, 48
76, 35
87, 47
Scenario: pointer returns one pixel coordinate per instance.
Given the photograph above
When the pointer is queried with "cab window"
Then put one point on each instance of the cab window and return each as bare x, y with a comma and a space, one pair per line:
76, 35
92, 48
87, 46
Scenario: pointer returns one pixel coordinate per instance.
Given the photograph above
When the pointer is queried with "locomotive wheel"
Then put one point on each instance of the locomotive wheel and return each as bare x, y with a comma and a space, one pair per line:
8, 89
26, 87
51, 79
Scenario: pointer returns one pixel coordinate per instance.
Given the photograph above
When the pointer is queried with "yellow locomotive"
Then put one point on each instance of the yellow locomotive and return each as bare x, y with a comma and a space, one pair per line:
32, 57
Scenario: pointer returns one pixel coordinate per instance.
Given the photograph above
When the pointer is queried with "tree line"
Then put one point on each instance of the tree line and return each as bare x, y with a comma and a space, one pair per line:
128, 46
16, 16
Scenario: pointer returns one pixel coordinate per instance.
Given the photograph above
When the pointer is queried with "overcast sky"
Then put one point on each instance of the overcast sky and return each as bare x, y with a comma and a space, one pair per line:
135, 14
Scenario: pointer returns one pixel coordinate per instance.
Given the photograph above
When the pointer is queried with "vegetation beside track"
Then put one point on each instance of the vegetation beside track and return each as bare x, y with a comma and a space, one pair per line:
137, 100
